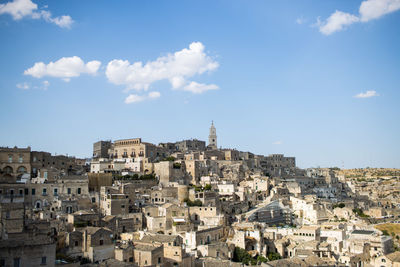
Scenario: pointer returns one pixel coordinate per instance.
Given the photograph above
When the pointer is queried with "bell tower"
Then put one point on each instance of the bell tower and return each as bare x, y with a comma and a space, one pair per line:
212, 137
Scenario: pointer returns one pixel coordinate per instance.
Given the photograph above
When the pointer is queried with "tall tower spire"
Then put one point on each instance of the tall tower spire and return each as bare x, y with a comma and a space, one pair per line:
212, 137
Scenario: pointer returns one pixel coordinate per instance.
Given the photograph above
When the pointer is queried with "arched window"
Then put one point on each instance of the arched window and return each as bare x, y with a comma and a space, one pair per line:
21, 169
8, 170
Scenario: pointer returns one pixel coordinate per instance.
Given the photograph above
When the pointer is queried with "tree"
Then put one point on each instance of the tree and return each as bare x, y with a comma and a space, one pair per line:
207, 187
241, 255
196, 203
272, 256
385, 232
170, 158
261, 259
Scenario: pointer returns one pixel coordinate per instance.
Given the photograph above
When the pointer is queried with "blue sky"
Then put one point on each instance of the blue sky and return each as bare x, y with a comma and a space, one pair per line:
318, 80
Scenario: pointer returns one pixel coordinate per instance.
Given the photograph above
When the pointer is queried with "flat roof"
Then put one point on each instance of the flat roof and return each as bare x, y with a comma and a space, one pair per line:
362, 232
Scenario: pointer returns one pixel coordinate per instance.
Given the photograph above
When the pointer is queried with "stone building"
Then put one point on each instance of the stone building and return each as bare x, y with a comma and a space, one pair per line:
101, 148
203, 237
97, 244
174, 254
272, 214
14, 162
279, 165
24, 243
134, 148
147, 255
44, 160
112, 202
191, 145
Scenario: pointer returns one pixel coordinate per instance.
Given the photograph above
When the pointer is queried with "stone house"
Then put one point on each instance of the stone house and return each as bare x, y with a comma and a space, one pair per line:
146, 255
97, 244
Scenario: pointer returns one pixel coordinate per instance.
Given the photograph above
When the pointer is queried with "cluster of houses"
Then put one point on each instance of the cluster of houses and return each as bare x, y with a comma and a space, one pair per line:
188, 204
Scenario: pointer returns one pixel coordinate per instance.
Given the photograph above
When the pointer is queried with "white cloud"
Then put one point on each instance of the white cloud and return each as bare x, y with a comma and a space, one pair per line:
46, 85
369, 9
62, 21
277, 143
23, 85
154, 94
367, 94
300, 20
176, 68
65, 68
19, 9
133, 98
337, 22
198, 88
373, 9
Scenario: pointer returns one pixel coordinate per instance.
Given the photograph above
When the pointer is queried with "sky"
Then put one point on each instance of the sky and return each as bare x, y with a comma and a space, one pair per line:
318, 80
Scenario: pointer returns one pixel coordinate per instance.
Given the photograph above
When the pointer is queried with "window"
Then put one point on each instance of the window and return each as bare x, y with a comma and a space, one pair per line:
93, 199
7, 215
101, 242
33, 191
21, 192
10, 158
26, 191
69, 191
44, 192
44, 259
159, 259
78, 191
55, 191
131, 259
20, 159
17, 262
45, 175
76, 243
34, 159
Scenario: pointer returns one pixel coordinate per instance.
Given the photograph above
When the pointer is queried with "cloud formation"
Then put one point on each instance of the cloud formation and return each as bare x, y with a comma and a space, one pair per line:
23, 85
198, 88
65, 68
133, 98
19, 9
46, 85
337, 22
300, 20
369, 10
175, 68
367, 94
374, 9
